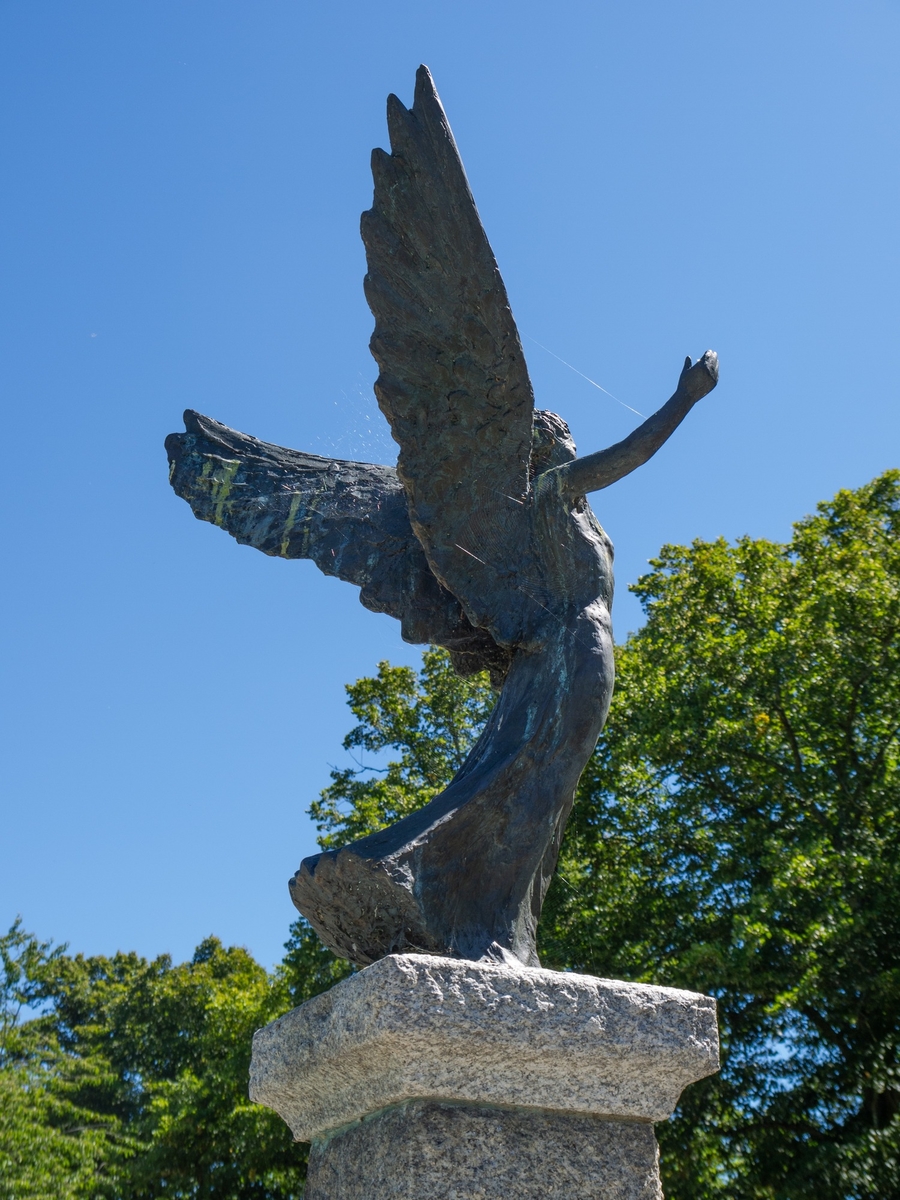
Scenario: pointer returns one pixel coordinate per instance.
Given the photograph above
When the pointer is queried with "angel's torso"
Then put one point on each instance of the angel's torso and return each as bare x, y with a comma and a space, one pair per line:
569, 568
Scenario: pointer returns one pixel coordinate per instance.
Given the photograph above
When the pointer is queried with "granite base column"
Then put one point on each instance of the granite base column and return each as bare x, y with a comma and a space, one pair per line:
424, 1077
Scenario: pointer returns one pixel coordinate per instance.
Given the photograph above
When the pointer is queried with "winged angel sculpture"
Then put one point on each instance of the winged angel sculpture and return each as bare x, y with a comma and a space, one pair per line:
481, 541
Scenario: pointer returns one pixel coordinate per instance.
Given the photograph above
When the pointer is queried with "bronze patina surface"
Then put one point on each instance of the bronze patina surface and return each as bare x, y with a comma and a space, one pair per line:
481, 541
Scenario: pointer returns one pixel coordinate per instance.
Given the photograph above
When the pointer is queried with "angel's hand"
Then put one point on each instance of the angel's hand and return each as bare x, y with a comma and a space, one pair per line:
698, 380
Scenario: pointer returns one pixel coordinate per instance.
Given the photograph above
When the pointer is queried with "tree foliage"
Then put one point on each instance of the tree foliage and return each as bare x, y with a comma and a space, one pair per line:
49, 1147
736, 832
131, 1082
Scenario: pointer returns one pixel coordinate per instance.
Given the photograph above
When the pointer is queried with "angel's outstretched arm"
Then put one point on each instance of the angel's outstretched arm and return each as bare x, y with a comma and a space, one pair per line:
596, 471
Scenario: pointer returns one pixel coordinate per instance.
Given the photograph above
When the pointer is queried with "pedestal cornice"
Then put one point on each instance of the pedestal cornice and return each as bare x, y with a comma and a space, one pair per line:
413, 1027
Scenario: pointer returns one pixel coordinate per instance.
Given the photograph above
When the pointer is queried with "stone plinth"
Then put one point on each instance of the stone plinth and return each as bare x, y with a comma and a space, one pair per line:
434, 1077
429, 1148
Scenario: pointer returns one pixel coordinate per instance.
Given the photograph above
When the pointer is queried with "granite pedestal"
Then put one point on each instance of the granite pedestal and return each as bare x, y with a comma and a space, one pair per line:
425, 1077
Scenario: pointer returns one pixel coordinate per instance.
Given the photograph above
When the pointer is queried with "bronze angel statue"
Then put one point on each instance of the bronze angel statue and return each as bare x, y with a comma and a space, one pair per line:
481, 541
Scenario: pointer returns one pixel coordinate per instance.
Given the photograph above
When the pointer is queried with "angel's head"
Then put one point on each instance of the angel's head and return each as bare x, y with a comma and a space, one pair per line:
551, 442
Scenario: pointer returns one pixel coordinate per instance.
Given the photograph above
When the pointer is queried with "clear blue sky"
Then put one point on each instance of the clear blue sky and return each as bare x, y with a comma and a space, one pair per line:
179, 227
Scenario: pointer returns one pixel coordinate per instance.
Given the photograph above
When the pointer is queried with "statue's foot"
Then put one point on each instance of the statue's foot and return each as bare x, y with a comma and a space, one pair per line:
363, 910
357, 908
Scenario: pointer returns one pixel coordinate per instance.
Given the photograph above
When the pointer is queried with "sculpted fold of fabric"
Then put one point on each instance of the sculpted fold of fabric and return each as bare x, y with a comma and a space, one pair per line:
481, 541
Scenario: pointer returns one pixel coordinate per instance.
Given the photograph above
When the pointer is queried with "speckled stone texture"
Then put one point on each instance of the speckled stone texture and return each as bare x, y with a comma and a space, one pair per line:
418, 1027
432, 1150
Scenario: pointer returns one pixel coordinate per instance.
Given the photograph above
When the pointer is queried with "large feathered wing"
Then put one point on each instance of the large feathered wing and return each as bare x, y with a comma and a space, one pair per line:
350, 518
453, 383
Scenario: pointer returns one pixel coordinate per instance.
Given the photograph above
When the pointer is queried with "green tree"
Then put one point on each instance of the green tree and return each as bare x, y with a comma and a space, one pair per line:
48, 1149
132, 1082
736, 832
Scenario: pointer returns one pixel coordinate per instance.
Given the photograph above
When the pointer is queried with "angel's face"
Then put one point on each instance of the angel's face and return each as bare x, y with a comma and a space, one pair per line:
551, 442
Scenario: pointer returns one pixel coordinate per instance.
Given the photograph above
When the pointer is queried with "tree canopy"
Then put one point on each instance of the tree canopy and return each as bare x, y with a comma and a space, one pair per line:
736, 832
128, 1079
